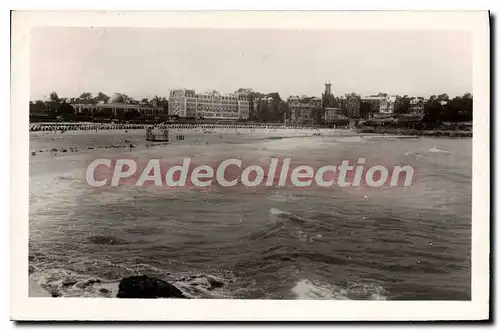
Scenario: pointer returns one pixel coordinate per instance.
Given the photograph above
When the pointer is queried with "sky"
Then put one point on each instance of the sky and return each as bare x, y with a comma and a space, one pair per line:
143, 62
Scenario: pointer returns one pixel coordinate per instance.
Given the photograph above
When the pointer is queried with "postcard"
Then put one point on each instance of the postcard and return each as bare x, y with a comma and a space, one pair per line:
250, 166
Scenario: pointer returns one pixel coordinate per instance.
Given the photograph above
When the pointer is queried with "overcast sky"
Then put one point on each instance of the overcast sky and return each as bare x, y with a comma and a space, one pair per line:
143, 62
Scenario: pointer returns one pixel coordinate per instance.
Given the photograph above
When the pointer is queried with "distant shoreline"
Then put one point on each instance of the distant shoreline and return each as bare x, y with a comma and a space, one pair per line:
416, 132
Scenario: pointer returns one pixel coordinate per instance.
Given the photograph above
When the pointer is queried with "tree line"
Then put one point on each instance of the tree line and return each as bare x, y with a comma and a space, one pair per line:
88, 98
62, 107
442, 108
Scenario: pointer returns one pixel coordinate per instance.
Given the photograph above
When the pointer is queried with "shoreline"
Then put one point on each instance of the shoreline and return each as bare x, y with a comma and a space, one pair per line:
56, 143
416, 132
245, 128
129, 139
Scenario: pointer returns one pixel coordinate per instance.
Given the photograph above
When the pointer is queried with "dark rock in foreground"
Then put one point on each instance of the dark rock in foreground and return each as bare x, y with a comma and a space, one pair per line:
144, 287
104, 291
214, 281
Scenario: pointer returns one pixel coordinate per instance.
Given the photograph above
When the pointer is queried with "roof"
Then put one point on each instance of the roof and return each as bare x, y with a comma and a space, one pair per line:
371, 97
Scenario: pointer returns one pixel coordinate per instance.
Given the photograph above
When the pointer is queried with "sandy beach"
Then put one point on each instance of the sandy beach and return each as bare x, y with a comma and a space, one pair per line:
53, 142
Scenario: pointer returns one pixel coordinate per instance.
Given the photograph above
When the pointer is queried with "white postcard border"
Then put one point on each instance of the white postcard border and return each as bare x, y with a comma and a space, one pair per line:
25, 308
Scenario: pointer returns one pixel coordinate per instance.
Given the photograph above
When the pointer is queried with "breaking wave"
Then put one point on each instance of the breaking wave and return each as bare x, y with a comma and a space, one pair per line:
61, 282
306, 289
437, 150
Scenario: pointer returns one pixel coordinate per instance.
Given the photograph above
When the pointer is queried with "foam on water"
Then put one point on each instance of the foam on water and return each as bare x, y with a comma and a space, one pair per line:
58, 282
437, 150
282, 213
276, 211
283, 197
35, 290
306, 289
61, 282
290, 143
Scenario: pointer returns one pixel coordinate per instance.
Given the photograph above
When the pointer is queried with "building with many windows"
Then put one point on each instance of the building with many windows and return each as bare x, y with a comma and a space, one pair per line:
351, 105
387, 105
380, 103
302, 109
186, 103
333, 114
416, 106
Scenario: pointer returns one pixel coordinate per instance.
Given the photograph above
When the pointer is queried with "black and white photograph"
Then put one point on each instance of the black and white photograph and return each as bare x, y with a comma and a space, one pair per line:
269, 163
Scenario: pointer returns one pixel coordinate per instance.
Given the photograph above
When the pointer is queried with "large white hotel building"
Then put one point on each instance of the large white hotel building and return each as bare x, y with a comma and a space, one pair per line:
187, 103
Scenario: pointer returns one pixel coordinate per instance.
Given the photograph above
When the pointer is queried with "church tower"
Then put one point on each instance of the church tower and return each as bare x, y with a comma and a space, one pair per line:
329, 100
328, 88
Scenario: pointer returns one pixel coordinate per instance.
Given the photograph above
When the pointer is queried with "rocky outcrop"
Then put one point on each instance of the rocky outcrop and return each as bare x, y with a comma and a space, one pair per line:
144, 287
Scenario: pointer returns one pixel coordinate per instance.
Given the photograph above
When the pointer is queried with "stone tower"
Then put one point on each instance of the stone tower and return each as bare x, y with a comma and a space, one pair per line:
328, 88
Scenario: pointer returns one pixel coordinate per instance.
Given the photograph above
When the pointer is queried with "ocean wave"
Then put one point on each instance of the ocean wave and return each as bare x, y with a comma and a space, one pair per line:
59, 178
286, 215
62, 282
282, 197
106, 240
437, 150
306, 289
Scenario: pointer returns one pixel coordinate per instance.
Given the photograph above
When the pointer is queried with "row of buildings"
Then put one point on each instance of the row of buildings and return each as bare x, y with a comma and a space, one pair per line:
188, 104
347, 106
182, 103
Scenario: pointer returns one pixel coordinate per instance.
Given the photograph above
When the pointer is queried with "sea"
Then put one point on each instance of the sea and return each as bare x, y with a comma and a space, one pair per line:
341, 243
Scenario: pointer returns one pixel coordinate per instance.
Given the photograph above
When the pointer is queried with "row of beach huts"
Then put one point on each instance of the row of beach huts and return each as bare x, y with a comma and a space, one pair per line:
112, 126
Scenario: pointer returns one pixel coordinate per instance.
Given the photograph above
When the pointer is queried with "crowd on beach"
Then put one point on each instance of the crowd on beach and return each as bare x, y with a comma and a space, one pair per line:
111, 126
